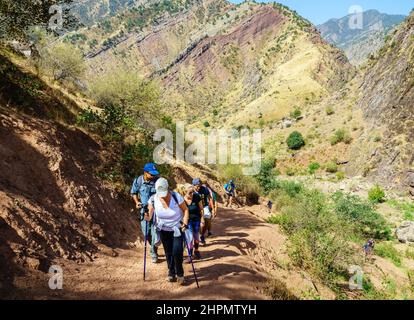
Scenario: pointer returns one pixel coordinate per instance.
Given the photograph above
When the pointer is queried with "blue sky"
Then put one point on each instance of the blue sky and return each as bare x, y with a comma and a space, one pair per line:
319, 11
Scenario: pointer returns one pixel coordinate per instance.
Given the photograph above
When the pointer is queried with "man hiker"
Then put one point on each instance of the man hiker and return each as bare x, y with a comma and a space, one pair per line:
143, 188
230, 193
204, 193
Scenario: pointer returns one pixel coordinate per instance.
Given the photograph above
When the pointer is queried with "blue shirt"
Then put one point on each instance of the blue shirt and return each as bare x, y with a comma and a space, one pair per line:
145, 189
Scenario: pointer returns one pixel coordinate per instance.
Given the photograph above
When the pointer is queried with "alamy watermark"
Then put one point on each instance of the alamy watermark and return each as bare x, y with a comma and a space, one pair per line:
56, 278
216, 146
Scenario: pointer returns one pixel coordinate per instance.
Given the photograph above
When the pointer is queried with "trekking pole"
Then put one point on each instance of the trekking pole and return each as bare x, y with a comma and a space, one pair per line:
191, 260
145, 246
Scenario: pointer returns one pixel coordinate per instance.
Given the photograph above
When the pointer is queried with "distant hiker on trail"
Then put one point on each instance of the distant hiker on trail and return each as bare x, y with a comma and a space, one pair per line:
142, 190
230, 193
170, 214
369, 248
196, 212
204, 193
270, 206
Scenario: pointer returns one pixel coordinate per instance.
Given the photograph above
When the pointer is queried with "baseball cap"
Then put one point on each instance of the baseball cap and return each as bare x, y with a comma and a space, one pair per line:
161, 187
151, 168
196, 182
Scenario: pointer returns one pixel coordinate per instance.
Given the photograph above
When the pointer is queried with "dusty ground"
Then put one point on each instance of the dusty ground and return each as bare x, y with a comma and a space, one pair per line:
234, 266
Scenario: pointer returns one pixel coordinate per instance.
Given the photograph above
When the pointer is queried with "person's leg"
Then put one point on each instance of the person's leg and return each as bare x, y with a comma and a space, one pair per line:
177, 252
167, 239
196, 235
208, 226
154, 249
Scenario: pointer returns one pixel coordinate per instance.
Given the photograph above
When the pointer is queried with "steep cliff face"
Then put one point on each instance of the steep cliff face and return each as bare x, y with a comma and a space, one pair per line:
387, 100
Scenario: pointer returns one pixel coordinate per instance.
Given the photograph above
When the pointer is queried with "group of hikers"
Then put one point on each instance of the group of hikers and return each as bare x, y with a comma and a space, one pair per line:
176, 218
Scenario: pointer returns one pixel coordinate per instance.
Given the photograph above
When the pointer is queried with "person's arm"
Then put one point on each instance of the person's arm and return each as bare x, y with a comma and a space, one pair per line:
148, 215
135, 192
138, 203
186, 212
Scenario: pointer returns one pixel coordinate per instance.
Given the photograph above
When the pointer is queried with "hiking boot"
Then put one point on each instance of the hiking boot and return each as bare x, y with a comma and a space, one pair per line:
209, 234
197, 255
202, 240
181, 281
172, 279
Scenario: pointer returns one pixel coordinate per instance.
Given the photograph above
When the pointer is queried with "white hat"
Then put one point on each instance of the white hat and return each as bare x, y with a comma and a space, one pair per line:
161, 187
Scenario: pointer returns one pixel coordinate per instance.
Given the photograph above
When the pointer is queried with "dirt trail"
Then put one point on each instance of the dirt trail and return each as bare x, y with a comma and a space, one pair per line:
229, 269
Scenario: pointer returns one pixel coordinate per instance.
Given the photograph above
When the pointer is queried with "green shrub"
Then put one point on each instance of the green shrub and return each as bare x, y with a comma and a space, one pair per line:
296, 113
376, 194
63, 61
290, 172
365, 220
387, 250
341, 135
206, 124
266, 177
295, 141
291, 188
318, 237
340, 175
313, 167
331, 167
329, 111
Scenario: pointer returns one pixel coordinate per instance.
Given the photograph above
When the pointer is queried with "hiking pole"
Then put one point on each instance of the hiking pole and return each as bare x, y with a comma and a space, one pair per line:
191, 260
145, 247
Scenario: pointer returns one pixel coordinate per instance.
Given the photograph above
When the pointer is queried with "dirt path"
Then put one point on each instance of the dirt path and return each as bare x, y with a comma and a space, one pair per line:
231, 267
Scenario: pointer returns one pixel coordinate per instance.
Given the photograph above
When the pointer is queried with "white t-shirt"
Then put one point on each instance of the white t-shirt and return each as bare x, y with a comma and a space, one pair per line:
173, 215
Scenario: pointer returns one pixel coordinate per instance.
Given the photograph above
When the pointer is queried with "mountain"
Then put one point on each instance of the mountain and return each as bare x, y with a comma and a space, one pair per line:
218, 61
387, 97
358, 44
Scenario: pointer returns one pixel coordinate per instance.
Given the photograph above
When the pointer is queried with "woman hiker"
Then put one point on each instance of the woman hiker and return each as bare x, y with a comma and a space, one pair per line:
171, 217
196, 221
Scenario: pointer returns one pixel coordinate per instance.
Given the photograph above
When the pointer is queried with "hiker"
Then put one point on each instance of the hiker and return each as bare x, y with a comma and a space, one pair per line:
213, 205
270, 206
230, 193
142, 190
196, 217
171, 215
204, 193
369, 248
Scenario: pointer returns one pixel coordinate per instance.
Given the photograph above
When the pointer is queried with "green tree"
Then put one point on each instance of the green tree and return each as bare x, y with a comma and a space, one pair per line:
295, 141
64, 61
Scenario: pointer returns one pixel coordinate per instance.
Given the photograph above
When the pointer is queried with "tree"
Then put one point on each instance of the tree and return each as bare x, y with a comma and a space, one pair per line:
295, 140
63, 60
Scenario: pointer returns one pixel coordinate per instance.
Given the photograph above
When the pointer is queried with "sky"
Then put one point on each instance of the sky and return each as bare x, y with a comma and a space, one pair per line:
320, 11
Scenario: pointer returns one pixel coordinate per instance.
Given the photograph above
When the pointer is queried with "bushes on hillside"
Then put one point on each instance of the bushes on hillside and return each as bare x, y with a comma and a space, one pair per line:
376, 194
341, 135
295, 140
365, 220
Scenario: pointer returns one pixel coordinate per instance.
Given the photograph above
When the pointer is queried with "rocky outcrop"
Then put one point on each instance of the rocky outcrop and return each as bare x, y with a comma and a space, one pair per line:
387, 102
405, 232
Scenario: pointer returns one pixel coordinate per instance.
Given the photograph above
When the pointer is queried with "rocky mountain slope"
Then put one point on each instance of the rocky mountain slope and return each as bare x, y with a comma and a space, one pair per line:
387, 97
241, 63
52, 205
359, 44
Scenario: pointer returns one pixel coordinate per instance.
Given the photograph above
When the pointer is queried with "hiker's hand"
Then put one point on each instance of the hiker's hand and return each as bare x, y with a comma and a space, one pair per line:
203, 221
147, 217
184, 227
138, 205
